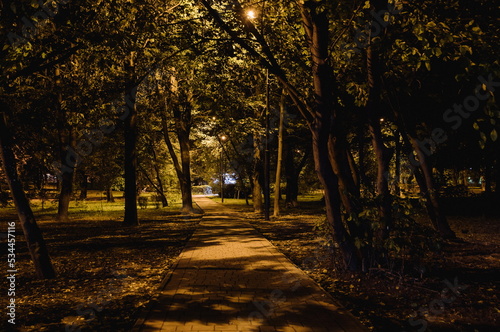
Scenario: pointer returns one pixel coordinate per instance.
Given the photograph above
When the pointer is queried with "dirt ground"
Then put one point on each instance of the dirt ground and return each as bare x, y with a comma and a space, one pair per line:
106, 272
459, 291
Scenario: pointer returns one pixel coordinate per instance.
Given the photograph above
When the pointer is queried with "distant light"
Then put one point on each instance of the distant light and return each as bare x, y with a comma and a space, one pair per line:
382, 120
214, 118
223, 137
251, 14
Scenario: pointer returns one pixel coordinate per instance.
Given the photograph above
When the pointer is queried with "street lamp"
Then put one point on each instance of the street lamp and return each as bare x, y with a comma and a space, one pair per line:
221, 141
267, 178
251, 14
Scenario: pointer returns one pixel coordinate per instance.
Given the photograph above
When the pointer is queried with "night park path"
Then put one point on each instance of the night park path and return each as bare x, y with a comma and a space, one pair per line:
230, 278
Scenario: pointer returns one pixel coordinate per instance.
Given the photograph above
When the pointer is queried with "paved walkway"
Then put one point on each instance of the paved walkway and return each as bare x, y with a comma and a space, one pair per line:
230, 278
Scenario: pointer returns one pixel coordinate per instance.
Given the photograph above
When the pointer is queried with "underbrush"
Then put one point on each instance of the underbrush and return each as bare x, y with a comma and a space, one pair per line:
432, 284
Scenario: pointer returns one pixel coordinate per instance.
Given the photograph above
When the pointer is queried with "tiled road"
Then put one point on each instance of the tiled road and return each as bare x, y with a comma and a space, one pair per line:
230, 278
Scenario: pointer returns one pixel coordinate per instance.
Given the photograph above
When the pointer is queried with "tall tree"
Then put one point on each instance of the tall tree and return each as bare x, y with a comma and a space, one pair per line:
32, 233
319, 113
67, 141
178, 103
374, 109
130, 131
279, 158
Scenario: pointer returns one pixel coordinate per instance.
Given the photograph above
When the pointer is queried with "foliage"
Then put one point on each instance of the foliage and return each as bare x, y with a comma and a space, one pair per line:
410, 243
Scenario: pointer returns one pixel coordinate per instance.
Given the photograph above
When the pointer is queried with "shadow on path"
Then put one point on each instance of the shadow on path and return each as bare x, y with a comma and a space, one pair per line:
231, 278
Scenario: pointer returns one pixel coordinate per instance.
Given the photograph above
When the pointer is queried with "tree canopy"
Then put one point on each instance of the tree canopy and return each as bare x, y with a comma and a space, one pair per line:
136, 94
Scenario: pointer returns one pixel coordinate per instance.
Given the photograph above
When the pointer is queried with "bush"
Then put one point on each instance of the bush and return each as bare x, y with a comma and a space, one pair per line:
456, 191
4, 198
143, 202
408, 245
202, 190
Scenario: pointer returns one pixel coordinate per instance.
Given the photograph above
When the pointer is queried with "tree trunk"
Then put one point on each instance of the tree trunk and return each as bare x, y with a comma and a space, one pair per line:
496, 175
374, 113
109, 195
363, 180
66, 186
382, 184
318, 111
333, 202
163, 197
487, 180
257, 176
425, 179
429, 190
187, 198
69, 157
316, 26
32, 233
489, 160
397, 165
182, 168
350, 197
83, 185
183, 129
130, 130
292, 174
349, 193
242, 167
292, 179
354, 168
279, 159
160, 190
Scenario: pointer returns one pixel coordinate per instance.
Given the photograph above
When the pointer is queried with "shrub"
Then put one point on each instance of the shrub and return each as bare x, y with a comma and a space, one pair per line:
143, 202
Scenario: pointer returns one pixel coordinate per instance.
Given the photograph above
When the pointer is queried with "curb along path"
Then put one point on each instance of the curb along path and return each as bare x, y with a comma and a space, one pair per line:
230, 278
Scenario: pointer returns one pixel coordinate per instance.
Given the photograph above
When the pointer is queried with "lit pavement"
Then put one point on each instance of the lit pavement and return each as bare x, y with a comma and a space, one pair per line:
230, 278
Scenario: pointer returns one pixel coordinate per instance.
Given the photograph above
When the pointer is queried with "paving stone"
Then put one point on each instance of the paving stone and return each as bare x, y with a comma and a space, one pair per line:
230, 278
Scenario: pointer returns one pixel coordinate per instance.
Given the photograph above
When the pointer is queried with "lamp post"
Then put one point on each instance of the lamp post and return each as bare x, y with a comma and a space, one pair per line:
267, 195
251, 15
221, 140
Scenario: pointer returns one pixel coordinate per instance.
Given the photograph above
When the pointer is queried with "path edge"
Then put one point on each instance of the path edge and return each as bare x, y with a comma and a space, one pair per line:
359, 326
144, 312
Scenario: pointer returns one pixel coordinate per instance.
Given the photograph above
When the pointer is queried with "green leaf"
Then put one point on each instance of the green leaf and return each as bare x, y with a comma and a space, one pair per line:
465, 49
494, 135
476, 30
475, 126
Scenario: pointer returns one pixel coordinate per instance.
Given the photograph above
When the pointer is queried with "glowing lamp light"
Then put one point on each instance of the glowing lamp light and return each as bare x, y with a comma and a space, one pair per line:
251, 14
